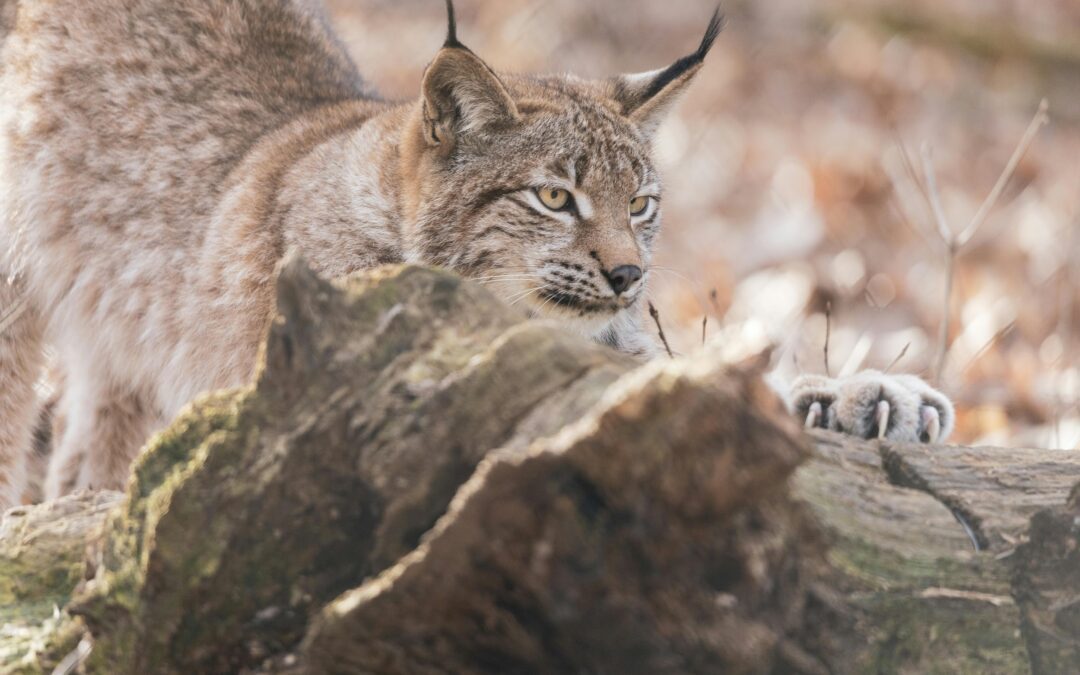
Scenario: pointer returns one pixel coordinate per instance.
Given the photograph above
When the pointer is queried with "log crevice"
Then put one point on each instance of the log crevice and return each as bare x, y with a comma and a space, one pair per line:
902, 473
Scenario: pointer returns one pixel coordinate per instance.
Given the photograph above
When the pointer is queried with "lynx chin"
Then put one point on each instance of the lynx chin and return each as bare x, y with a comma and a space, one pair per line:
159, 157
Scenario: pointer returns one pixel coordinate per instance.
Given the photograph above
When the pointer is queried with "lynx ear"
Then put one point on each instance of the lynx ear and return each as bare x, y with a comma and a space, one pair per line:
461, 94
646, 98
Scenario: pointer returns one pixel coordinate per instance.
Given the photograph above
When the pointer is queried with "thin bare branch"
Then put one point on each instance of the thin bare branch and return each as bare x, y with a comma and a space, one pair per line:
946, 317
951, 249
828, 335
1041, 118
990, 343
857, 356
898, 203
953, 242
903, 353
660, 328
917, 180
944, 231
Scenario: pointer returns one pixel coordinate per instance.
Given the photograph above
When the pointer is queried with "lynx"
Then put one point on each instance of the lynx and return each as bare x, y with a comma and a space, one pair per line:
159, 157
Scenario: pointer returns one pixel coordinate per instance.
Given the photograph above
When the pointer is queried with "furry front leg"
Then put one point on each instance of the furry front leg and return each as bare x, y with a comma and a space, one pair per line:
102, 434
21, 360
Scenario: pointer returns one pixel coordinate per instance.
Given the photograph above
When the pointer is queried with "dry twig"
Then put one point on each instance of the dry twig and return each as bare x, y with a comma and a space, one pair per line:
828, 335
954, 243
1005, 330
903, 353
660, 328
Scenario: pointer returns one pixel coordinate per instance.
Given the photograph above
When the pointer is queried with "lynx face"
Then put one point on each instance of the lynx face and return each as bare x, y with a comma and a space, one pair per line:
543, 188
557, 212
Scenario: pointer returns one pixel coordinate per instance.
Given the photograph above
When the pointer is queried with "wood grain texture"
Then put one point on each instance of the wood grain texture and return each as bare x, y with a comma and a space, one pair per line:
997, 490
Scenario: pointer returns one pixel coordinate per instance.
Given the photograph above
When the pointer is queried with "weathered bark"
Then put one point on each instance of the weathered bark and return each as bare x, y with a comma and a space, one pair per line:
922, 599
995, 491
42, 559
1046, 583
618, 546
377, 402
419, 482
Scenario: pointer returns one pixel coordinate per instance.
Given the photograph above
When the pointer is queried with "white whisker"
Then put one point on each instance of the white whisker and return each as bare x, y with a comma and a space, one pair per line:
488, 282
506, 277
680, 275
543, 305
695, 287
522, 295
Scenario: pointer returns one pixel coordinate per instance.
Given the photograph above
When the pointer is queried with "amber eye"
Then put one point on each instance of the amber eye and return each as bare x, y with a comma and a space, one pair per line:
556, 199
639, 205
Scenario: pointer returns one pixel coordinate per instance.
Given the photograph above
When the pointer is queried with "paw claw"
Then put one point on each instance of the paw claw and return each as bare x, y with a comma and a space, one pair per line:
931, 422
871, 404
882, 416
812, 399
936, 414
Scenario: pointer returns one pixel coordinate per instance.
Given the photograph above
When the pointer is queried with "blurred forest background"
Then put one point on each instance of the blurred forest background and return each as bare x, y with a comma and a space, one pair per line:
787, 192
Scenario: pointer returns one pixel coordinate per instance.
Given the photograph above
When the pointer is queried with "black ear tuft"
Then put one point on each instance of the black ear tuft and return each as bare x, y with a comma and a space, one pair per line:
451, 32
672, 72
716, 24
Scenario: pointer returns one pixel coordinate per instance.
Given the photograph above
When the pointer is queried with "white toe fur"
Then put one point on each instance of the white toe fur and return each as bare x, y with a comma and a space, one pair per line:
932, 398
872, 404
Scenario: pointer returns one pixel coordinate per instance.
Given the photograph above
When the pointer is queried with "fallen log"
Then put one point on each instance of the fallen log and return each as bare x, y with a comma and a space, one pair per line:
921, 598
42, 560
421, 481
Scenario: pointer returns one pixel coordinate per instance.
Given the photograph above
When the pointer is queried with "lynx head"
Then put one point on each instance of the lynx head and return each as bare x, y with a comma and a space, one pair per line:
542, 187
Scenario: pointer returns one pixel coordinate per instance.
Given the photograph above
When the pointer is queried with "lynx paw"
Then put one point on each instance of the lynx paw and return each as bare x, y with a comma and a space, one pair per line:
871, 404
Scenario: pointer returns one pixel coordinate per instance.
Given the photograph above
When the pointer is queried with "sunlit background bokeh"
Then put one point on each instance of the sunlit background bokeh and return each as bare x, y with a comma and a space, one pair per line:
787, 192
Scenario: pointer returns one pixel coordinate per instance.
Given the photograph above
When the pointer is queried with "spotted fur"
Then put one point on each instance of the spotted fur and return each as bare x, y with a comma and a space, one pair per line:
159, 157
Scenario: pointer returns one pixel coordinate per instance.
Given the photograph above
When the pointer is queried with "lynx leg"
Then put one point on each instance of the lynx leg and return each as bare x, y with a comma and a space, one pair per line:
21, 360
64, 459
102, 436
48, 431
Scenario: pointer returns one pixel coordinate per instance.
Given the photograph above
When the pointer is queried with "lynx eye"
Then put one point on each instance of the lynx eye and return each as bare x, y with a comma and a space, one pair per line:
556, 199
639, 205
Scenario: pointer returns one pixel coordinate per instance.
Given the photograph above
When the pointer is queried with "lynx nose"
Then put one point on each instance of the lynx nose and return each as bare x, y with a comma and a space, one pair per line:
623, 277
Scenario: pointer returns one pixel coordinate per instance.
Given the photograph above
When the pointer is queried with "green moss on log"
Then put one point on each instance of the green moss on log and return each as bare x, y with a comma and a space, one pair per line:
42, 561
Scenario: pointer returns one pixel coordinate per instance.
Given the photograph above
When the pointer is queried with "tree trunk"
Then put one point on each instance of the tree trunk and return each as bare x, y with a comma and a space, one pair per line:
421, 482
